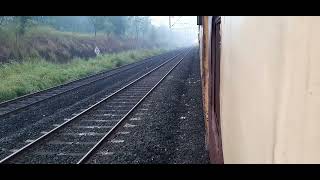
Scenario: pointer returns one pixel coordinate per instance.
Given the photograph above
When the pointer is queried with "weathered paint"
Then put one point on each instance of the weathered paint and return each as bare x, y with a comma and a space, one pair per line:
204, 51
213, 141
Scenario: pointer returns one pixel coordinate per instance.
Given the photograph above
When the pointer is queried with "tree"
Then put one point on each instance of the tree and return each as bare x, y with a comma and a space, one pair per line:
22, 23
99, 23
138, 27
4, 20
119, 24
152, 34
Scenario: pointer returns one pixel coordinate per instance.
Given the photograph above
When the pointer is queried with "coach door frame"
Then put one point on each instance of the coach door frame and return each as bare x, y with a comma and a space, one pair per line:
215, 123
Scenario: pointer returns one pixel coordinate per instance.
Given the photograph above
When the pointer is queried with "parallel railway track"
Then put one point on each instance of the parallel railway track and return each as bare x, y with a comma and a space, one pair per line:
23, 102
75, 140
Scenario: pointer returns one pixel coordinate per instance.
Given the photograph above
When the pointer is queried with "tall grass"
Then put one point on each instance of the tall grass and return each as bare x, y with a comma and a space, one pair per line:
17, 79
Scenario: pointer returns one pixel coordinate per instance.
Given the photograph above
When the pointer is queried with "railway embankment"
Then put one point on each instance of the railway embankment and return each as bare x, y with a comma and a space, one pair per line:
32, 75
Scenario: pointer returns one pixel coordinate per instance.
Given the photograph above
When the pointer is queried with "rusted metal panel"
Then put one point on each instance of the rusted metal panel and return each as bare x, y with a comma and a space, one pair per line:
209, 90
215, 143
204, 70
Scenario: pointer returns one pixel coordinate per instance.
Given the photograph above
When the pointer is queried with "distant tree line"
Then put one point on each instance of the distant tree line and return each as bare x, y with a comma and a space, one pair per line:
132, 27
122, 26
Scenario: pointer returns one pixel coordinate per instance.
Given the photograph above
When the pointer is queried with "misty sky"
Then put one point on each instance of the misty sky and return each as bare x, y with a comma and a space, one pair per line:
164, 20
182, 24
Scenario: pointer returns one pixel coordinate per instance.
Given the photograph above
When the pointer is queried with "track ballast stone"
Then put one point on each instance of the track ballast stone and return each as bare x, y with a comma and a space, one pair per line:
167, 128
69, 153
27, 125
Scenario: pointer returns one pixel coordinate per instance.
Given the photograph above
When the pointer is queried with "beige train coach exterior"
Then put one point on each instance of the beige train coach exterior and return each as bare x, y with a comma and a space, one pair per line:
261, 88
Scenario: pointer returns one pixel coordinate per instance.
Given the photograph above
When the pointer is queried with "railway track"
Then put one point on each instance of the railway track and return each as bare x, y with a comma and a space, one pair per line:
23, 102
76, 139
35, 120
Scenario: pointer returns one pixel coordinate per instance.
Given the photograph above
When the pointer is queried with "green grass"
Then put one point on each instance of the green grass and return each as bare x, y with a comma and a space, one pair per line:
35, 74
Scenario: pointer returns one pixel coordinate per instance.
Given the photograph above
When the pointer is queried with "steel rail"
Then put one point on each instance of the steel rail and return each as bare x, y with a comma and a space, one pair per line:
83, 112
89, 153
68, 90
79, 79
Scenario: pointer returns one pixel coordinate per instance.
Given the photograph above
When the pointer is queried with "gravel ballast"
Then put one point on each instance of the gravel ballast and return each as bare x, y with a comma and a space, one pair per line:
18, 129
167, 128
74, 139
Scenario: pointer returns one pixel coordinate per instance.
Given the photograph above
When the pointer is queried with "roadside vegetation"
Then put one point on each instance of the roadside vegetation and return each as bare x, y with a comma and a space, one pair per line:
39, 52
61, 38
33, 75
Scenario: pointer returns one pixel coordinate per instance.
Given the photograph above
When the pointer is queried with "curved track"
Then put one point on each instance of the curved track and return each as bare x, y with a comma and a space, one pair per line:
23, 102
77, 138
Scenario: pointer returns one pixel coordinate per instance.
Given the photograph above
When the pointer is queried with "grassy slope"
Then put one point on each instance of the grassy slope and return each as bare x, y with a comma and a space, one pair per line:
36, 74
57, 46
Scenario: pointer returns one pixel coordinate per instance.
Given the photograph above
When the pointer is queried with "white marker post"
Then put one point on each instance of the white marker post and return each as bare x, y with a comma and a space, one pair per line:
97, 51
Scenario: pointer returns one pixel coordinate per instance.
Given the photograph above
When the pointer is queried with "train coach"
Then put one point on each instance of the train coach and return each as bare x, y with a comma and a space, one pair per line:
261, 88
